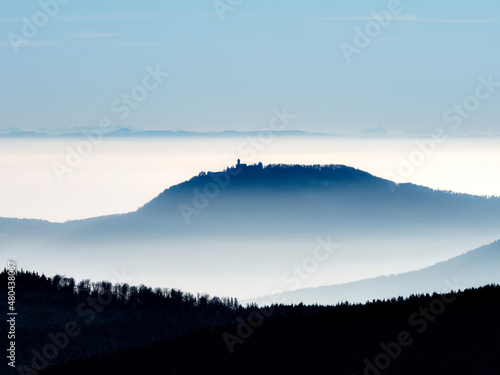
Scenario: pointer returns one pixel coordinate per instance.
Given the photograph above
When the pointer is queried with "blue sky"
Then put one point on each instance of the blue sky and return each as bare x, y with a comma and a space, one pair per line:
265, 54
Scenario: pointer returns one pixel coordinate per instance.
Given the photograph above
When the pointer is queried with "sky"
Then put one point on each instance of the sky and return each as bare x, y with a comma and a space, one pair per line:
229, 65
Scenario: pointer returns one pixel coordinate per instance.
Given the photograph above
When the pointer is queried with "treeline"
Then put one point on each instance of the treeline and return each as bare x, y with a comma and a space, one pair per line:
313, 166
109, 316
122, 294
454, 333
144, 330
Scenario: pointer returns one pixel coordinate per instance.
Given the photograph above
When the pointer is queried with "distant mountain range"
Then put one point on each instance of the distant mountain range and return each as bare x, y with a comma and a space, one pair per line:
375, 132
117, 132
241, 231
78, 132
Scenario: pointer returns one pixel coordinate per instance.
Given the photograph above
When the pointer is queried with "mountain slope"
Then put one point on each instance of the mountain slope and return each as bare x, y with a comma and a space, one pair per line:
472, 269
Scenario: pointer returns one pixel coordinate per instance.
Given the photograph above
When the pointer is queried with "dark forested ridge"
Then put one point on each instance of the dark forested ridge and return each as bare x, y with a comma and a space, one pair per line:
134, 330
109, 316
454, 333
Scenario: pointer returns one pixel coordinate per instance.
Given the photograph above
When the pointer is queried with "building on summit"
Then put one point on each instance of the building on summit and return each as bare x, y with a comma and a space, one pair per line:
246, 167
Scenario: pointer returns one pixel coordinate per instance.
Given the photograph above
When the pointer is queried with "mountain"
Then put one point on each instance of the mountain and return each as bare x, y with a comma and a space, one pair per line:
80, 132
125, 132
472, 269
377, 132
255, 224
8, 130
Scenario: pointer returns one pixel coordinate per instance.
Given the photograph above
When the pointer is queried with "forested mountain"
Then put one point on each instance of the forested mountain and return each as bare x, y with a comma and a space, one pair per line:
251, 224
454, 333
128, 330
108, 316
